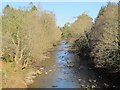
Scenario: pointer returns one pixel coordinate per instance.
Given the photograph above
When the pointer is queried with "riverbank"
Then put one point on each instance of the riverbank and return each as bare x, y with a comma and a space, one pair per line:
66, 70
61, 67
108, 78
15, 78
20, 78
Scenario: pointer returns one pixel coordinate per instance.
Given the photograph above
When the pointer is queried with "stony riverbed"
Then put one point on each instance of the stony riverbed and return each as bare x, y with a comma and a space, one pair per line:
65, 70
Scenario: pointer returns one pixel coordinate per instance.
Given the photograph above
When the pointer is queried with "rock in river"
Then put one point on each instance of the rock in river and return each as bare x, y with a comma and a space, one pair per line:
29, 80
70, 65
54, 86
38, 72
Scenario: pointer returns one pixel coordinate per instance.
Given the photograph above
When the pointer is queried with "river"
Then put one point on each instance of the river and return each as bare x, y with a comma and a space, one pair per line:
65, 70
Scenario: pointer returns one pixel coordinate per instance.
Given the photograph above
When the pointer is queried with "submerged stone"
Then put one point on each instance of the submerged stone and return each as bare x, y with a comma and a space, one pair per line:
54, 86
70, 65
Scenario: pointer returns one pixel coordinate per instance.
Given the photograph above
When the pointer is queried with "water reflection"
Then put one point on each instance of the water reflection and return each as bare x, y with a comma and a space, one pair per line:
66, 76
63, 76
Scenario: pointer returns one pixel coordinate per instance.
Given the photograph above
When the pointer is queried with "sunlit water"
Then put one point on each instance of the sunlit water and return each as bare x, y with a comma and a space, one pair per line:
61, 75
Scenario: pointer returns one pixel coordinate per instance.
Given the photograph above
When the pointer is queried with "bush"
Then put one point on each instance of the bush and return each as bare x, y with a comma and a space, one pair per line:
103, 37
101, 42
27, 33
82, 46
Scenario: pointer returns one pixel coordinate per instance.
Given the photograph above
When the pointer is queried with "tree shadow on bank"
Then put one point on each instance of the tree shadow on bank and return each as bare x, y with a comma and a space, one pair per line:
107, 78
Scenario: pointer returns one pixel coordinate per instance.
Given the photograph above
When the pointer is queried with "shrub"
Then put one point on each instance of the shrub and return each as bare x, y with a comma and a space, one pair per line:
103, 37
27, 33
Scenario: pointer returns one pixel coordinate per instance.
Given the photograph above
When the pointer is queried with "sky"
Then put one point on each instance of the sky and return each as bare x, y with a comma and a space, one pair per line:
65, 11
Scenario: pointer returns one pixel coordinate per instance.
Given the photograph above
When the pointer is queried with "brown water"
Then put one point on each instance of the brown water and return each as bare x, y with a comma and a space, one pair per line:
57, 73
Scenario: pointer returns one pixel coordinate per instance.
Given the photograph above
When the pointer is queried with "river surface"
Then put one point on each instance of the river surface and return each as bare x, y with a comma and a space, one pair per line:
65, 70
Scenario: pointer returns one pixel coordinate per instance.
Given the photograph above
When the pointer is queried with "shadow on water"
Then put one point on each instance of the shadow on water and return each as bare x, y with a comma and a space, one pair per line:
65, 70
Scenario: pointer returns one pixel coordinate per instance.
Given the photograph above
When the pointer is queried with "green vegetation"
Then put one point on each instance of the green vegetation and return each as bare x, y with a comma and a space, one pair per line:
66, 31
103, 38
98, 40
27, 33
79, 27
101, 42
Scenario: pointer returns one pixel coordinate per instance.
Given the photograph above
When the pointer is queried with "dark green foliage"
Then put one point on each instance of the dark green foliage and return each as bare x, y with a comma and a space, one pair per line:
66, 31
103, 37
34, 8
7, 10
7, 59
82, 46
102, 42
101, 11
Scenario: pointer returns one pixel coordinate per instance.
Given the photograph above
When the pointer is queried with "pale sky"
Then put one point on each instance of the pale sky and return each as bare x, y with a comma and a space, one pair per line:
65, 11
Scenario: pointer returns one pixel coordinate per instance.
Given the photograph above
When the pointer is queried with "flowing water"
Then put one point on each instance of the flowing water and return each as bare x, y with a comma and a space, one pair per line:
65, 70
